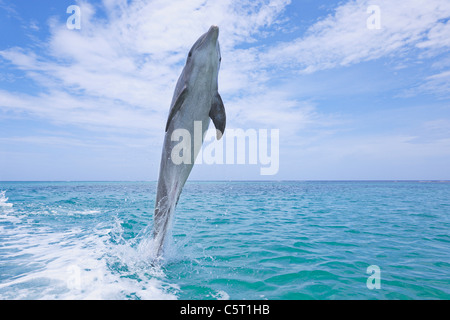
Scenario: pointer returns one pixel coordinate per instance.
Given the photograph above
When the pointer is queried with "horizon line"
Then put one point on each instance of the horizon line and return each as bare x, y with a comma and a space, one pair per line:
250, 180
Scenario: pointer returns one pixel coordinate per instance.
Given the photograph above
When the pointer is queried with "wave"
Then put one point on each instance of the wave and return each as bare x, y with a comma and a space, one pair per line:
3, 200
78, 263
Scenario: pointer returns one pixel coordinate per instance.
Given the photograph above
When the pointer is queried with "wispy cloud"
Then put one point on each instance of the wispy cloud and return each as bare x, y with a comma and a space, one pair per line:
438, 84
131, 59
121, 70
343, 38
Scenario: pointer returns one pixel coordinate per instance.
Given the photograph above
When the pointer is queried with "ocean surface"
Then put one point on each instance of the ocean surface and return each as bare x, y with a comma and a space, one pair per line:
230, 240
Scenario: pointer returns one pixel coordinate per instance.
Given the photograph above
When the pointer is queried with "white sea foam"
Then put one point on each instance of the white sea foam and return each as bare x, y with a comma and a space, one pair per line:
5, 207
85, 212
77, 264
221, 295
4, 200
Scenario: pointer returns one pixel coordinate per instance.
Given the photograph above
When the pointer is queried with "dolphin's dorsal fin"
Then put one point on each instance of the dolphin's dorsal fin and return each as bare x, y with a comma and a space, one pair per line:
217, 115
177, 105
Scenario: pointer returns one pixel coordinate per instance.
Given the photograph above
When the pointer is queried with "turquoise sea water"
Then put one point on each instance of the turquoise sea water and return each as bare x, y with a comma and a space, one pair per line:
230, 240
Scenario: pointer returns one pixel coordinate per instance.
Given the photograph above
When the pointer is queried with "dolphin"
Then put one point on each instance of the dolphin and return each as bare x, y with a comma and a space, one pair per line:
195, 99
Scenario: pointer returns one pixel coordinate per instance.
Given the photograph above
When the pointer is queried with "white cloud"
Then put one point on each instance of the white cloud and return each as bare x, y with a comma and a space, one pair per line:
121, 71
438, 84
437, 37
343, 38
132, 58
62, 108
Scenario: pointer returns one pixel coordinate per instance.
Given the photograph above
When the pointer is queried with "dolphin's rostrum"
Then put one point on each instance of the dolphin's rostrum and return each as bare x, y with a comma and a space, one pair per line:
196, 99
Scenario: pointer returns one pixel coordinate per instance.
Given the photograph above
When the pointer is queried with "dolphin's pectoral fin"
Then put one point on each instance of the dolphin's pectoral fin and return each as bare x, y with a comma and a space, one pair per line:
217, 115
177, 105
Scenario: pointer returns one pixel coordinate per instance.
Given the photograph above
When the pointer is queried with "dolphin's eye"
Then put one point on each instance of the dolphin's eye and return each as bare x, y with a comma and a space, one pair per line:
220, 59
190, 54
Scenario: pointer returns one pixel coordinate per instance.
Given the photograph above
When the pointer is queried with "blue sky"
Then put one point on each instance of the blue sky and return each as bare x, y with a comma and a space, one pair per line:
350, 102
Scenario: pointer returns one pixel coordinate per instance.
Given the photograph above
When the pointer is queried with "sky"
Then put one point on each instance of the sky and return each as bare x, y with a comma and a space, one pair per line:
358, 90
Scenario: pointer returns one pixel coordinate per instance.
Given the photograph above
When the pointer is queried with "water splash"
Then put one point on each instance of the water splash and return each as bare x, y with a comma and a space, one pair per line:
142, 249
3, 200
78, 263
5, 208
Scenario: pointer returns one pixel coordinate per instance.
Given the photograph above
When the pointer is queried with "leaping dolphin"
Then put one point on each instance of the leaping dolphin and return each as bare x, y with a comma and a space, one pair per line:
196, 98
